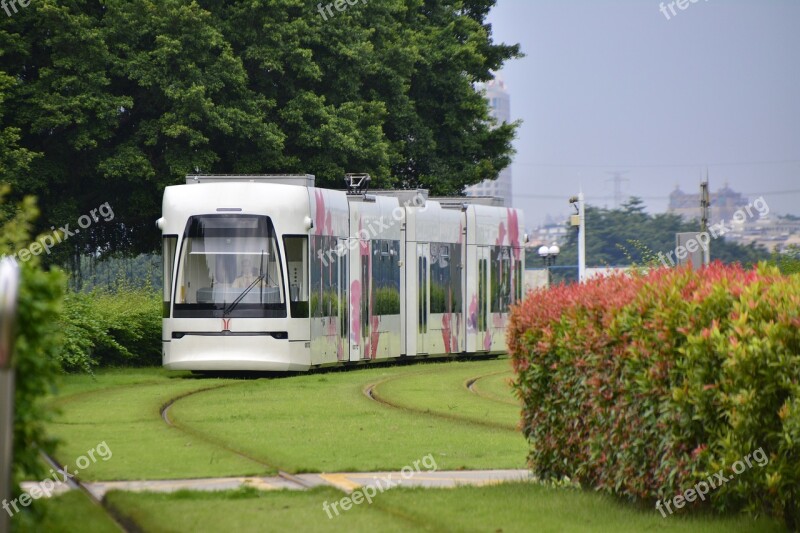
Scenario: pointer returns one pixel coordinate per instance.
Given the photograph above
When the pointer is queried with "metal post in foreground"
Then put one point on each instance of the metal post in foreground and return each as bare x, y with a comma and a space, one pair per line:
9, 287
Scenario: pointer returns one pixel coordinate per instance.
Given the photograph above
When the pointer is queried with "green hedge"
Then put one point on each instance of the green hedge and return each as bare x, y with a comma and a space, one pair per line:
645, 386
120, 327
37, 342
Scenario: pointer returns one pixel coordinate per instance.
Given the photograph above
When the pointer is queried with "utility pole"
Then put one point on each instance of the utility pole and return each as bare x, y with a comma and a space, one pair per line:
579, 220
617, 179
705, 205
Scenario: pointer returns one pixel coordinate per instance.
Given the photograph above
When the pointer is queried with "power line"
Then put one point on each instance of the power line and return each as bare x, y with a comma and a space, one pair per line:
591, 197
663, 165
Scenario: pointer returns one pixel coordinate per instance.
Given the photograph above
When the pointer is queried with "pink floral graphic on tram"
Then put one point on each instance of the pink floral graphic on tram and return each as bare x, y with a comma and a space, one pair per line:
322, 218
516, 249
487, 341
447, 318
498, 320
513, 232
375, 335
472, 321
450, 333
501, 235
340, 350
456, 340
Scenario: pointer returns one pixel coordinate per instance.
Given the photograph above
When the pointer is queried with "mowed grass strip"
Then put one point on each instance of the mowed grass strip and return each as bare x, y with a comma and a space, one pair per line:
72, 511
249, 510
325, 423
445, 393
515, 507
73, 386
123, 410
497, 387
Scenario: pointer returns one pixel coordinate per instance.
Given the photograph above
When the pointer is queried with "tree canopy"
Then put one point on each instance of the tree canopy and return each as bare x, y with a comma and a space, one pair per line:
111, 101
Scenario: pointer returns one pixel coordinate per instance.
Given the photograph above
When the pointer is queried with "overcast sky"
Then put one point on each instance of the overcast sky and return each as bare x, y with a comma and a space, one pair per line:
611, 86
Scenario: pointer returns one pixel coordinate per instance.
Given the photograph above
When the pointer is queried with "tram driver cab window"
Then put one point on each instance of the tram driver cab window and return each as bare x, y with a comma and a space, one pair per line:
230, 263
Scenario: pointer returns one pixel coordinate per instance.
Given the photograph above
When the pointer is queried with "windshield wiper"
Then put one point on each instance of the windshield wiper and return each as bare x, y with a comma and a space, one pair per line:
234, 303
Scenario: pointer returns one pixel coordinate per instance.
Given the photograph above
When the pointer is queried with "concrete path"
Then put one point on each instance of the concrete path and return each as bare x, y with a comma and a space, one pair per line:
346, 481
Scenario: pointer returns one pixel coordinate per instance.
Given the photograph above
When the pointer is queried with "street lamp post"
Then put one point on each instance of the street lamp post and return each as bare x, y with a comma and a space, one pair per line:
9, 286
578, 220
548, 255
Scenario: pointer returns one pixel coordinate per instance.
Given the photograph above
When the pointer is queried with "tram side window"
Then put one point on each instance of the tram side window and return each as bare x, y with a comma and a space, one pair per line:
318, 261
441, 278
446, 278
170, 245
330, 281
482, 271
325, 264
501, 279
455, 277
296, 248
386, 277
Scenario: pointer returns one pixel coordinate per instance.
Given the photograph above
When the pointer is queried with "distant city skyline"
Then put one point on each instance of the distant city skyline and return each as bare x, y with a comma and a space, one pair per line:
500, 110
614, 86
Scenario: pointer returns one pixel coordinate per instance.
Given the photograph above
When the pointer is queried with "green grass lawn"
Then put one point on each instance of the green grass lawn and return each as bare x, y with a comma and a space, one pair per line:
444, 393
321, 422
307, 423
325, 422
122, 409
507, 508
73, 511
497, 387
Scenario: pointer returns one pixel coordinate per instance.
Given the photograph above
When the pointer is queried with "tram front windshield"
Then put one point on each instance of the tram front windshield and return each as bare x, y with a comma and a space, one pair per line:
229, 266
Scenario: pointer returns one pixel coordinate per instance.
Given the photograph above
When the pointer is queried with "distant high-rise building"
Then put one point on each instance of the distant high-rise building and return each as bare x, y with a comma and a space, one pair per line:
500, 104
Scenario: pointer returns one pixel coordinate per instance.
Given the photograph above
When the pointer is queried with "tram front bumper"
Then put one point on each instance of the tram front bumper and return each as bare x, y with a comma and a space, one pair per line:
235, 352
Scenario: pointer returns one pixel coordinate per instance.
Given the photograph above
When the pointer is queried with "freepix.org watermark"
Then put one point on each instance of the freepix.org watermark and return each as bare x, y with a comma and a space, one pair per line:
340, 6
358, 496
45, 488
372, 230
6, 4
46, 242
713, 482
682, 5
716, 230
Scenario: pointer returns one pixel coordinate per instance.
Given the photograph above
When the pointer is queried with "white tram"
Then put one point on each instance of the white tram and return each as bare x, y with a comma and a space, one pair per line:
271, 273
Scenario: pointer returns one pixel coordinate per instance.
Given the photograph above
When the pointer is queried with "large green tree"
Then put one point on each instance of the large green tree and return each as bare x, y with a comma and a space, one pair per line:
110, 101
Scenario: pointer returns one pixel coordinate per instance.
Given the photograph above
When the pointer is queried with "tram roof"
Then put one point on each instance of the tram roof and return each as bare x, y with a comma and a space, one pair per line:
302, 180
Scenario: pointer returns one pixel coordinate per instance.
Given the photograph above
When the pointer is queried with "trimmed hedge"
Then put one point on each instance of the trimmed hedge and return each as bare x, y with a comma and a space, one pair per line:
643, 386
111, 328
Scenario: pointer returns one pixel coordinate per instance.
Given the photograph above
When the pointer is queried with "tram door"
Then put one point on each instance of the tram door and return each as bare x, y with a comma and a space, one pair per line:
342, 297
484, 280
423, 295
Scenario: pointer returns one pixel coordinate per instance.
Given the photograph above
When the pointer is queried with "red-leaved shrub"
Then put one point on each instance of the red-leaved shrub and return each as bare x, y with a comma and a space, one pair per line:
644, 385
